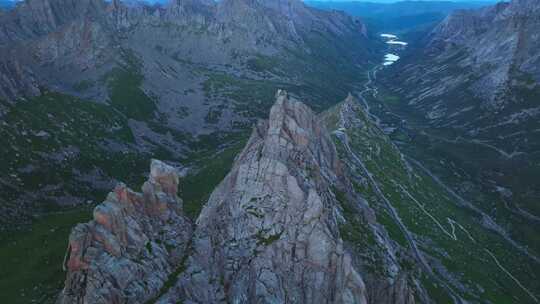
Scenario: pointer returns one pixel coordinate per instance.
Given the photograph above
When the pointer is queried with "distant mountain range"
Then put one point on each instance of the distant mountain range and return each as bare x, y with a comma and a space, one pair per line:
397, 16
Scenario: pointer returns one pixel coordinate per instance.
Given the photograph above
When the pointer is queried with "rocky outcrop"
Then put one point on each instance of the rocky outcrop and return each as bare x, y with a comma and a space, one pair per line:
135, 241
50, 41
35, 18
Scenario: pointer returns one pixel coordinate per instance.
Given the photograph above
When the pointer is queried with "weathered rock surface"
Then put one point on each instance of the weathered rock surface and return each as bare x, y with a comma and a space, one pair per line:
16, 81
134, 243
269, 232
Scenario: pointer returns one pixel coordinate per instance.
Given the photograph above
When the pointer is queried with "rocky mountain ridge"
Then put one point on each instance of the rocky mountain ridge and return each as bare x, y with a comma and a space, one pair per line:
499, 38
304, 214
271, 231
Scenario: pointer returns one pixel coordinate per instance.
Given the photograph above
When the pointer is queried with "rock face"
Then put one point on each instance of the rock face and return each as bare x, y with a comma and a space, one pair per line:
134, 243
500, 42
49, 40
16, 81
490, 51
487, 53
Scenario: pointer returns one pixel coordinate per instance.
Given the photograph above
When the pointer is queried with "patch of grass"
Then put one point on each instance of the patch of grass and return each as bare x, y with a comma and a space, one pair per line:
196, 189
389, 98
357, 232
436, 292
32, 262
267, 240
173, 277
214, 114
356, 229
250, 98
125, 91
53, 135
83, 85
261, 63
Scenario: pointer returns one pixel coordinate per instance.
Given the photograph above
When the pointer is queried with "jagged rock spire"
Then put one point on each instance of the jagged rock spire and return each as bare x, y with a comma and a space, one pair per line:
269, 230
131, 246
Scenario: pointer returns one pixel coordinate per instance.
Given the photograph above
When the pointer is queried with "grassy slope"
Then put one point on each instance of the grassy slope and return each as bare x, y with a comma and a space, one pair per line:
32, 262
126, 95
474, 273
72, 125
320, 78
